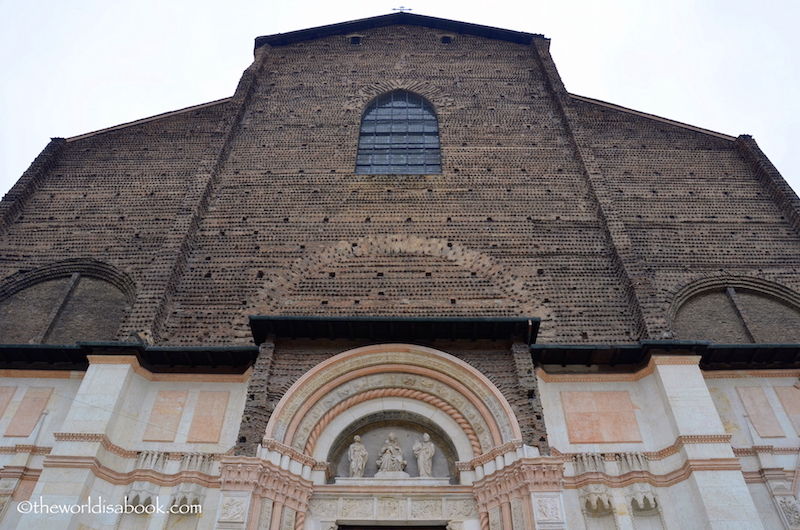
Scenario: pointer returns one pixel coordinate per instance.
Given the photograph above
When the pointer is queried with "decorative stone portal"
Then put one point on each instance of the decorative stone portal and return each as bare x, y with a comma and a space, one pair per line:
435, 445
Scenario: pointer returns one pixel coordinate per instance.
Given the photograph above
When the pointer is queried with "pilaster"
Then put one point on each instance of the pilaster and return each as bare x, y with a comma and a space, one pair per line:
148, 314
634, 275
68, 476
716, 482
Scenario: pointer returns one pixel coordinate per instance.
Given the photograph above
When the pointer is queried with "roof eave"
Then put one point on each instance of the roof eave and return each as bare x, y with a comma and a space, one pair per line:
344, 28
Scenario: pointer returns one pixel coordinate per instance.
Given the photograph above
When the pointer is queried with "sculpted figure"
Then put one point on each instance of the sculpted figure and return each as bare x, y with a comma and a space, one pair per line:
391, 458
358, 457
424, 452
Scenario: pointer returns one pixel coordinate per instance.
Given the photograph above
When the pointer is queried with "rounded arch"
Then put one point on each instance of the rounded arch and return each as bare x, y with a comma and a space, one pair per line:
64, 303
433, 93
736, 309
94, 269
511, 288
399, 134
388, 377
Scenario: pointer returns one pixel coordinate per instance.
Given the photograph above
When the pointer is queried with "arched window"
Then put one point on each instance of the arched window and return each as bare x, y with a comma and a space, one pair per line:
399, 135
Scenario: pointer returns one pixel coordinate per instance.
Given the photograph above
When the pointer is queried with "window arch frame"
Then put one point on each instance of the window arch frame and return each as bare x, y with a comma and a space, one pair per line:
399, 135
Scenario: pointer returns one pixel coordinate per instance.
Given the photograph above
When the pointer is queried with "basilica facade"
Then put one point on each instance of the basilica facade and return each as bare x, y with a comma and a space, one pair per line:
400, 279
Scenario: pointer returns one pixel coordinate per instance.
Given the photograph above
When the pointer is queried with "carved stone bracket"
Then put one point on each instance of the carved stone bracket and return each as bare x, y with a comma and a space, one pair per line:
265, 480
524, 479
596, 500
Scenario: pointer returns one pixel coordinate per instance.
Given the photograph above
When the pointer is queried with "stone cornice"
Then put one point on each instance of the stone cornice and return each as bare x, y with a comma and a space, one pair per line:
500, 450
661, 481
8, 373
661, 453
769, 449
747, 374
291, 452
102, 439
113, 448
32, 449
18, 473
118, 478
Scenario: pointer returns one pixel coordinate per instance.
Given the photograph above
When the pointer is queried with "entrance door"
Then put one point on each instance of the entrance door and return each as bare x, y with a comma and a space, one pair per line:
348, 527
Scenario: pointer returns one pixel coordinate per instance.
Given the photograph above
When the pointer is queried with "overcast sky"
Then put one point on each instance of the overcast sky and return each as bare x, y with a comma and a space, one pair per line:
74, 66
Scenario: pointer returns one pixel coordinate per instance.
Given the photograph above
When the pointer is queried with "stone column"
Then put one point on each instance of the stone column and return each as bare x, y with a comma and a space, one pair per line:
722, 499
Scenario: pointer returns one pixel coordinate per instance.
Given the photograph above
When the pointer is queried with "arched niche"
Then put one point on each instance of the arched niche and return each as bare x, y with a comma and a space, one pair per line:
408, 427
737, 311
64, 303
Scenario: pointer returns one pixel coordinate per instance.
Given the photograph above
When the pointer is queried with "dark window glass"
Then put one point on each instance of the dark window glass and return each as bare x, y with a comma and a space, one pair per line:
399, 134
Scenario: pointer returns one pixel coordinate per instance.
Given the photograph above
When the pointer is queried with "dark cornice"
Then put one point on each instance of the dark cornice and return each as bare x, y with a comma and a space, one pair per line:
394, 329
408, 19
194, 359
630, 357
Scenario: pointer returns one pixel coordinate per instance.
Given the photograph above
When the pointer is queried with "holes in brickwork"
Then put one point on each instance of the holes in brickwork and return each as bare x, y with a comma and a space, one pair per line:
447, 39
368, 220
260, 274
331, 275
355, 40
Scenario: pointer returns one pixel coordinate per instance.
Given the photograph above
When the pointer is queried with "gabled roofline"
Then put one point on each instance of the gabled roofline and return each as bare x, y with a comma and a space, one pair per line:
409, 19
151, 118
653, 117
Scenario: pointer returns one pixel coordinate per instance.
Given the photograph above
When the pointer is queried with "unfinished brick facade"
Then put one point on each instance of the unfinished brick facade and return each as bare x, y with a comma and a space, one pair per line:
609, 226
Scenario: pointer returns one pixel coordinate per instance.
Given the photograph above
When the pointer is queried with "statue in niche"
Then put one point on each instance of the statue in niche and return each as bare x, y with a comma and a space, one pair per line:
391, 458
358, 457
424, 450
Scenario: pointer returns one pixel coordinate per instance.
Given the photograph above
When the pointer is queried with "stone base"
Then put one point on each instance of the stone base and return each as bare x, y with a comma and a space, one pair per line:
393, 480
391, 475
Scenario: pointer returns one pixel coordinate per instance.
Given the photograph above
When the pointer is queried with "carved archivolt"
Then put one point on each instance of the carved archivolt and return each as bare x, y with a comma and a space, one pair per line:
393, 392
397, 371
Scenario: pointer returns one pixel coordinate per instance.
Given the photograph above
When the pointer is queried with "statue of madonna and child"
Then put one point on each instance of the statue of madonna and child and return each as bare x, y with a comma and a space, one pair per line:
390, 462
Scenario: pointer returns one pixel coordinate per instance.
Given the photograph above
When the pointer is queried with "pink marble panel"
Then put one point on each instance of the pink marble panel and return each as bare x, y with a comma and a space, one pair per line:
790, 399
760, 412
209, 415
6, 393
29, 411
165, 418
600, 417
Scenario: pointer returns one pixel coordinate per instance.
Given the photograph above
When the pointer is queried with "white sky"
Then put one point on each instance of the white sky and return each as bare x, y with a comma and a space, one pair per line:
72, 67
